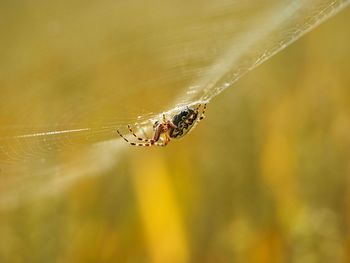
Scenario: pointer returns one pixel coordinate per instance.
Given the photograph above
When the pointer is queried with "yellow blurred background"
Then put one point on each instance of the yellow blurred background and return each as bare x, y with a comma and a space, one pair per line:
264, 178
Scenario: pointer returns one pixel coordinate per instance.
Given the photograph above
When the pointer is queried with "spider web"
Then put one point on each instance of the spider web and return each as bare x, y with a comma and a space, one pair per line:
71, 74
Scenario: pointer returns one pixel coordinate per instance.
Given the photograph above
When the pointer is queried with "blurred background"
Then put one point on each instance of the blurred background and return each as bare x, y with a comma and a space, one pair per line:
263, 178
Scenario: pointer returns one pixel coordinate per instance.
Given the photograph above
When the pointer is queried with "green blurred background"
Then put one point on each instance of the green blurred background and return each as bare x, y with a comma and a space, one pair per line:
264, 178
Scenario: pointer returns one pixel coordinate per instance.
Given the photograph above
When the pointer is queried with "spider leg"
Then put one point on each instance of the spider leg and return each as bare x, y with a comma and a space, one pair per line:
163, 144
140, 139
133, 143
202, 116
164, 141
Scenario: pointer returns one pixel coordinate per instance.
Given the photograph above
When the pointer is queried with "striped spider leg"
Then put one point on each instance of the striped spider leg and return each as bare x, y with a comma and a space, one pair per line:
160, 133
202, 116
146, 142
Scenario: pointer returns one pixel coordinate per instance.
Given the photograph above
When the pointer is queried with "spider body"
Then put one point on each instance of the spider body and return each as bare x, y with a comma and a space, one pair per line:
184, 121
179, 125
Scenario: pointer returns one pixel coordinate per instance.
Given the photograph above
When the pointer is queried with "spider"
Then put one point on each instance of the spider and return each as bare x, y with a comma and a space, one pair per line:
168, 129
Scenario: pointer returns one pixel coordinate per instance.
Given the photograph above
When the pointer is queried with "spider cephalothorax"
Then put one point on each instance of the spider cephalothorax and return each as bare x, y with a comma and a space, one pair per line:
167, 129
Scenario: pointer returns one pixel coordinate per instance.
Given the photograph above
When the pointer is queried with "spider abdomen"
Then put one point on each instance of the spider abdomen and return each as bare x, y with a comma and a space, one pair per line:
184, 121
